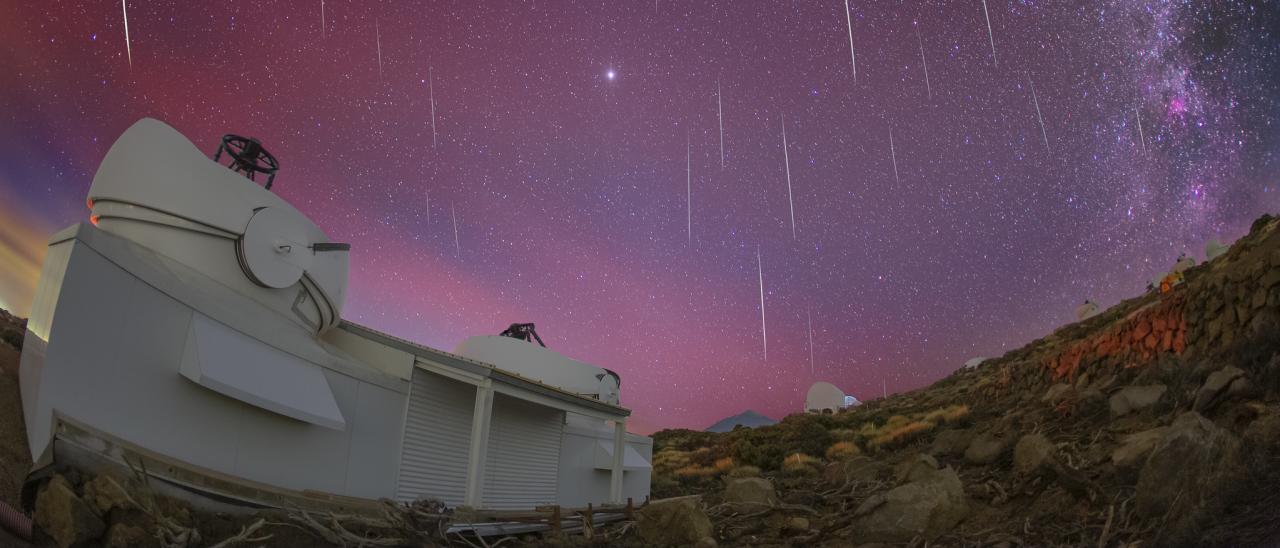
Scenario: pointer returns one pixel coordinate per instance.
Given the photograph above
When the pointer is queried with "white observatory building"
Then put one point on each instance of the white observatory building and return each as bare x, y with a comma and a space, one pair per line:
195, 327
824, 397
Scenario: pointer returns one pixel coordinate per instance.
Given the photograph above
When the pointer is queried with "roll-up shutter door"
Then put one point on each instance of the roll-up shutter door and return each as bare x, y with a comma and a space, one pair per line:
523, 463
437, 438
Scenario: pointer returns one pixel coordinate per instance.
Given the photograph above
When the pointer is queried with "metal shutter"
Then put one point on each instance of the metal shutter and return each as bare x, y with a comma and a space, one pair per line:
437, 439
523, 463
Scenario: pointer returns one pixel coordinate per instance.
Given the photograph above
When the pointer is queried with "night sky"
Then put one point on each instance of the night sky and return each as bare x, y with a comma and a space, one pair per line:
1057, 153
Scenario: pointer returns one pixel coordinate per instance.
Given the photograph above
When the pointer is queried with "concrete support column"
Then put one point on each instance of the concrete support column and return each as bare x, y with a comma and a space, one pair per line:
479, 444
619, 450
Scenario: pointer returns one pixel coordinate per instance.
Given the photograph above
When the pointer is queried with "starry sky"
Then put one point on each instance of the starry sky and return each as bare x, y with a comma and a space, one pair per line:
615, 171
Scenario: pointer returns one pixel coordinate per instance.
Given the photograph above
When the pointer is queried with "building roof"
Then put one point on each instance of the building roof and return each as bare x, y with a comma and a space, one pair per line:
482, 369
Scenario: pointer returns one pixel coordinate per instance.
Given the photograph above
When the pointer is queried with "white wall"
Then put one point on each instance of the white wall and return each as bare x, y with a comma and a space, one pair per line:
112, 361
581, 482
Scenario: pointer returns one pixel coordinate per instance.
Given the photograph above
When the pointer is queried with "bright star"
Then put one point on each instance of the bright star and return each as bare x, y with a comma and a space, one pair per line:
610, 75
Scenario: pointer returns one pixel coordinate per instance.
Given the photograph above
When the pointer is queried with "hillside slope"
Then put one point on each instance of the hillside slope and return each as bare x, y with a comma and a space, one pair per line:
1157, 421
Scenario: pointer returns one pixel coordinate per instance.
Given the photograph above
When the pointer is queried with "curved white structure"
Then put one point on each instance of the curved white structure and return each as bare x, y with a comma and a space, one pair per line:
973, 363
158, 190
1087, 310
823, 396
1214, 249
196, 328
1184, 263
544, 365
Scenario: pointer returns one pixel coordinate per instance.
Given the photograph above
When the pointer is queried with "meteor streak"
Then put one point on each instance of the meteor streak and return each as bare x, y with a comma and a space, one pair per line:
893, 155
688, 186
457, 246
924, 63
124, 9
990, 36
809, 314
1036, 100
853, 58
1138, 114
720, 116
431, 91
378, 37
787, 160
764, 333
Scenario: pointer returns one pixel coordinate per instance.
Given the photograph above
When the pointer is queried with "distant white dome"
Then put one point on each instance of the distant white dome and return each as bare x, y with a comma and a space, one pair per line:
973, 363
824, 395
1184, 262
1087, 310
1214, 249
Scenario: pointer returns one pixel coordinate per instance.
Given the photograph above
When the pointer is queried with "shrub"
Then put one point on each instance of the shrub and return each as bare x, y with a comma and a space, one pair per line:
669, 460
724, 464
13, 337
948, 415
806, 434
844, 434
760, 447
745, 472
842, 450
800, 464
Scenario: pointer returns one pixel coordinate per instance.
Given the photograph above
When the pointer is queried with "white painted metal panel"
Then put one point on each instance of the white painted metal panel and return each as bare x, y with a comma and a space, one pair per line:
437, 438
231, 363
523, 464
631, 459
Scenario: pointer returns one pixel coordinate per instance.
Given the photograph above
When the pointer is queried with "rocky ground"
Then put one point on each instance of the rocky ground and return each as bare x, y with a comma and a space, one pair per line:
1155, 423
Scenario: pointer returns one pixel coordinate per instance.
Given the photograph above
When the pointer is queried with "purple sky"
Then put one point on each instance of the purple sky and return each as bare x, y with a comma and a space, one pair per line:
600, 209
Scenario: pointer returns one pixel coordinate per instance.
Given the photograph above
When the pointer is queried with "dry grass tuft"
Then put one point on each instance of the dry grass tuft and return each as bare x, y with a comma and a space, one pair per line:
843, 450
724, 464
896, 435
695, 471
948, 415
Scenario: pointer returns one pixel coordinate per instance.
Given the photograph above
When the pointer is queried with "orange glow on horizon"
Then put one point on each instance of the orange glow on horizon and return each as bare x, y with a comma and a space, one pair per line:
23, 240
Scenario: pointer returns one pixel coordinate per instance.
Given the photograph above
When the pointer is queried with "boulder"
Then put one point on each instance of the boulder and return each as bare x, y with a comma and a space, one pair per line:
1136, 398
122, 535
951, 442
1032, 452
751, 491
1134, 448
1184, 465
860, 469
929, 508
1057, 393
915, 468
673, 522
797, 525
985, 449
1217, 386
105, 493
1091, 401
62, 515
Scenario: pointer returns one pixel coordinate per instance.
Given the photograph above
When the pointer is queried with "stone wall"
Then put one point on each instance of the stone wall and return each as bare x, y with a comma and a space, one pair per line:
1229, 300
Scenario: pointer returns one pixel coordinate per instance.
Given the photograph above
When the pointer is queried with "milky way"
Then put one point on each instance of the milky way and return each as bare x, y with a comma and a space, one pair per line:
552, 132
